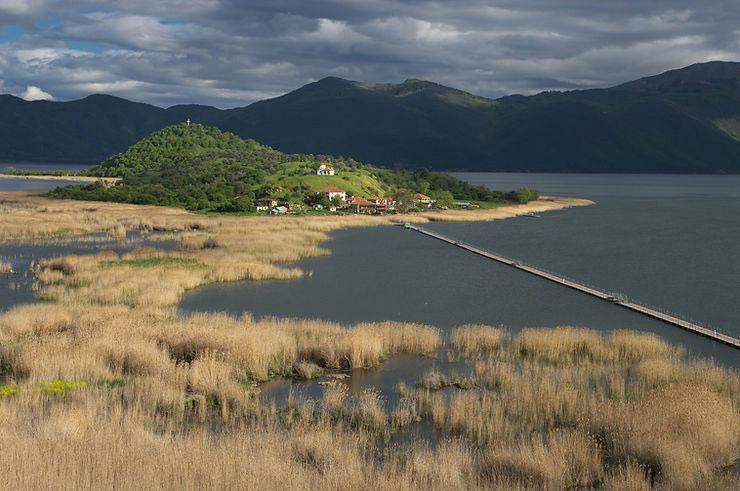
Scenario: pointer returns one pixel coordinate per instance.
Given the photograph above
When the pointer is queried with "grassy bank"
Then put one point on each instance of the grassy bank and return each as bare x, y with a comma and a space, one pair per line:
104, 385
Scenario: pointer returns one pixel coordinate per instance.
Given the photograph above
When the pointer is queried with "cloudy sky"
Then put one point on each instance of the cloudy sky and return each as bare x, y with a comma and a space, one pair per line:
232, 52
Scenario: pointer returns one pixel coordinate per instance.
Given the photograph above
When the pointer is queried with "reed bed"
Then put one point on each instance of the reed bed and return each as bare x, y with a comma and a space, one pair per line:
106, 386
180, 397
476, 339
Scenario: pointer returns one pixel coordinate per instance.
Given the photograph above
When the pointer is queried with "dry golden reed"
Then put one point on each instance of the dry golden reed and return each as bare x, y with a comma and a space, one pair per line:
107, 386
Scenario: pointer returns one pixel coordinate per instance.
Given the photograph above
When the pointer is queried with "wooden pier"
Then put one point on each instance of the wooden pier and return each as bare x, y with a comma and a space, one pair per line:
675, 321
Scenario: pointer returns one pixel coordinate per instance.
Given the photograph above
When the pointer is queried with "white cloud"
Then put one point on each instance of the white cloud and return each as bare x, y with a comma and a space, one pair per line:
231, 52
33, 93
334, 31
18, 7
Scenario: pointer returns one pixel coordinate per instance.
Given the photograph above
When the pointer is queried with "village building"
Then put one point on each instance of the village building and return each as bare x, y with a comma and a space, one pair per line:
383, 204
325, 170
332, 193
265, 204
279, 210
360, 205
423, 199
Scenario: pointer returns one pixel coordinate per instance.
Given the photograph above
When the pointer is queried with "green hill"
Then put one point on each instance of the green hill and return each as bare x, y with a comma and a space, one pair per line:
205, 169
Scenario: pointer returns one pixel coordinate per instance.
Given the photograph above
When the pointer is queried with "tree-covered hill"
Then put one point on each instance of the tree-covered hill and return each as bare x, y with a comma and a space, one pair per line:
202, 168
685, 120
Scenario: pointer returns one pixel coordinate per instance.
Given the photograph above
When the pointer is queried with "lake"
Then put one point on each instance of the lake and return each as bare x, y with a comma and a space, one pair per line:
667, 241
38, 167
36, 184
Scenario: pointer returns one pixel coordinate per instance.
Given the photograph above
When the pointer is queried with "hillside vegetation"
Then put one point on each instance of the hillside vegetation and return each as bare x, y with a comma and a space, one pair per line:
685, 120
202, 168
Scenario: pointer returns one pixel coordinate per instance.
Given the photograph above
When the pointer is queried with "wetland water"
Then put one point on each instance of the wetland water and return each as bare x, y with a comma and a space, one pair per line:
668, 241
671, 241
36, 184
17, 287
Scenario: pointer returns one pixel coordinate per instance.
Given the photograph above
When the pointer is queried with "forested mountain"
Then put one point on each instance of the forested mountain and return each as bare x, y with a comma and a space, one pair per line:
685, 120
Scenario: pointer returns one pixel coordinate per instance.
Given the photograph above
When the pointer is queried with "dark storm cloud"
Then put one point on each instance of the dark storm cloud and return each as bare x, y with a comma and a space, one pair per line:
231, 52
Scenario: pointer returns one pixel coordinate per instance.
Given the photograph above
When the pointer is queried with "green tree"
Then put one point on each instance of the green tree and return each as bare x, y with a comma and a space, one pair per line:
442, 199
405, 200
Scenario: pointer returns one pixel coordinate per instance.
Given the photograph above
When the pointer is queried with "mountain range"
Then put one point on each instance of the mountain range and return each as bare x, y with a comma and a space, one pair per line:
684, 121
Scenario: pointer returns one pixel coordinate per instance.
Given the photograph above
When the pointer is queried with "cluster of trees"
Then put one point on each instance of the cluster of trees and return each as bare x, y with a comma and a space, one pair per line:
222, 184
441, 186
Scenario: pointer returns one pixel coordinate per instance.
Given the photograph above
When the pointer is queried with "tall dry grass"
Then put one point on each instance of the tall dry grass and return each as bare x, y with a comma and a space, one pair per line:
577, 408
475, 339
187, 390
681, 433
566, 345
107, 378
562, 460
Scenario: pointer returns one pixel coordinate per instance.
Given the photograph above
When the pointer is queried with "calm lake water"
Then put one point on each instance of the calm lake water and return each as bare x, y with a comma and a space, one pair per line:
37, 167
36, 184
31, 184
668, 241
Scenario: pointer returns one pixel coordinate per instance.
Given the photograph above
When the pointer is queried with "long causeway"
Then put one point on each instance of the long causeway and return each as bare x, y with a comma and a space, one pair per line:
675, 321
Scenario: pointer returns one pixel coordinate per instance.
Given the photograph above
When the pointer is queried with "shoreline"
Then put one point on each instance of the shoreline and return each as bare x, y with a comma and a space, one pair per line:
46, 177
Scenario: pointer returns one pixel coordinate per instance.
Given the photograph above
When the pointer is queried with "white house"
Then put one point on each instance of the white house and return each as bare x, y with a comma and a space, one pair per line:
325, 170
333, 193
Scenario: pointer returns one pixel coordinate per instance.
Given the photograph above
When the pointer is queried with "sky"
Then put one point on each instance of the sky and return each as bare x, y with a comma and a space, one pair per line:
229, 53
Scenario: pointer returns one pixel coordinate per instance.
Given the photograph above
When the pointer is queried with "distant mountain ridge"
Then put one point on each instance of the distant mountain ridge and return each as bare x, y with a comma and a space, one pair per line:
685, 120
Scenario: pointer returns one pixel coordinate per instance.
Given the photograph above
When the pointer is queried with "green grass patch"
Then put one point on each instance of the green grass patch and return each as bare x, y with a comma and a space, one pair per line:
65, 232
154, 262
302, 175
111, 383
489, 205
8, 391
61, 387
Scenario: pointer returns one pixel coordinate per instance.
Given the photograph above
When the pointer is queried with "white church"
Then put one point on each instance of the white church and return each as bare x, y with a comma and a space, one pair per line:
325, 170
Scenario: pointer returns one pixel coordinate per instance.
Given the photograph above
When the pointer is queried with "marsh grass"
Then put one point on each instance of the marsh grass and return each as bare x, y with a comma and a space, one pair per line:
306, 370
579, 408
108, 386
8, 390
61, 387
477, 339
523, 422
153, 262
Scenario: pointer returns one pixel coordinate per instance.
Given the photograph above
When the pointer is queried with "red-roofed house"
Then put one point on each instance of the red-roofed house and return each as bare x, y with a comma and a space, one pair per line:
361, 205
422, 199
383, 204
